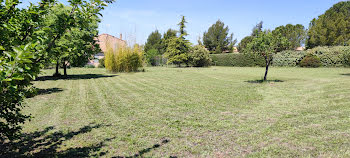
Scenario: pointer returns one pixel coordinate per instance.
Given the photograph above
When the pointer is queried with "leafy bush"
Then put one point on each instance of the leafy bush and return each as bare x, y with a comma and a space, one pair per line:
17, 70
288, 58
151, 56
347, 59
102, 63
331, 56
199, 56
124, 59
310, 61
240, 60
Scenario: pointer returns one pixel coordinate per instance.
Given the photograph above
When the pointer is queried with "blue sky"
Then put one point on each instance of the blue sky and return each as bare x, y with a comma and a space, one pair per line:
136, 19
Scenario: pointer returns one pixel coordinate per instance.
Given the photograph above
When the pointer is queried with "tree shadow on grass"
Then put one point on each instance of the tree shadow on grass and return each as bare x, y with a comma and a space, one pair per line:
347, 74
48, 91
262, 81
144, 151
74, 77
42, 144
43, 92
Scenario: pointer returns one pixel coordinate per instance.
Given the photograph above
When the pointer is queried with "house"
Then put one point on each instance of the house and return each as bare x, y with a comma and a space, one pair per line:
105, 41
300, 48
235, 49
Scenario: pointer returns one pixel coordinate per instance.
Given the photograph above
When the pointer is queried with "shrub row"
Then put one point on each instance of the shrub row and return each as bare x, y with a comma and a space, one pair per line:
240, 60
288, 58
338, 56
332, 56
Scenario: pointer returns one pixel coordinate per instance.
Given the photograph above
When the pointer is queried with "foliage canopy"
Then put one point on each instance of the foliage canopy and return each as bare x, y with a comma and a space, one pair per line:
331, 28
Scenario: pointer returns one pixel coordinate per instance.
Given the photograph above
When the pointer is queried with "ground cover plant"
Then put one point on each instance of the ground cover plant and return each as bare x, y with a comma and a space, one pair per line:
188, 112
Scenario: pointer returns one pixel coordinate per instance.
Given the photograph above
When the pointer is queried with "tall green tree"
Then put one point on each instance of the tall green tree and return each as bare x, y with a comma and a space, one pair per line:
217, 39
154, 41
296, 34
331, 28
178, 47
266, 44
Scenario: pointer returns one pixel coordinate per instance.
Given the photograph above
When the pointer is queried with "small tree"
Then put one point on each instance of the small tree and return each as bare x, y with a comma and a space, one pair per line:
266, 44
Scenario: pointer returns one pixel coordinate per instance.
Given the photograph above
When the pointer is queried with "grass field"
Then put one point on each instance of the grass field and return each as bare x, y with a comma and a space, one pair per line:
189, 112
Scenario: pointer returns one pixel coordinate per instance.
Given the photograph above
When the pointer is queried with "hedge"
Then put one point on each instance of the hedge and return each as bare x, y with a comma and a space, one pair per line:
239, 60
288, 58
338, 56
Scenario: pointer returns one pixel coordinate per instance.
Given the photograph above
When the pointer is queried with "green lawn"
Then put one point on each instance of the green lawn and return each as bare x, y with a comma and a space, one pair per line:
190, 112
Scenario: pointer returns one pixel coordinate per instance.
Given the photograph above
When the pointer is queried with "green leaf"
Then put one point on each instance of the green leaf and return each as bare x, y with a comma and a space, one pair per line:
7, 80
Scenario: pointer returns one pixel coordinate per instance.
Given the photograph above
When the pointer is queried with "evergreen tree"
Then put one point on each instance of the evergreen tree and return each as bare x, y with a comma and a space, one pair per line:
154, 41
166, 37
169, 34
331, 28
178, 47
182, 31
217, 39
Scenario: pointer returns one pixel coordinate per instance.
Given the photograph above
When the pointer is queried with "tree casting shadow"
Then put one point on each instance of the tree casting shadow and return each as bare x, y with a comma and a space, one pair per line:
42, 144
74, 77
262, 81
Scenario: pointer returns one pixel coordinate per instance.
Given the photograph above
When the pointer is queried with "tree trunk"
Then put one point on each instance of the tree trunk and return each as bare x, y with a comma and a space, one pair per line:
267, 68
57, 66
65, 68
